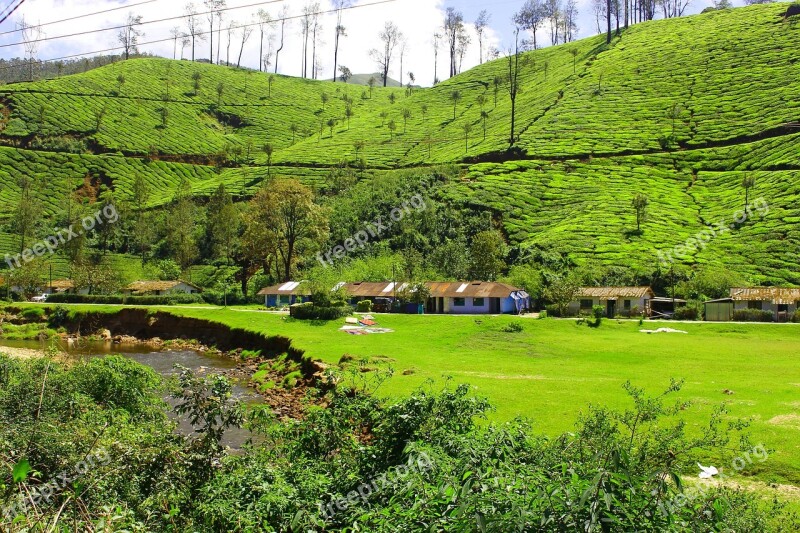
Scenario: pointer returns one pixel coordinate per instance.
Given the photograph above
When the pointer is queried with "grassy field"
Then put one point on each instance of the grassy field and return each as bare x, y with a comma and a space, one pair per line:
554, 369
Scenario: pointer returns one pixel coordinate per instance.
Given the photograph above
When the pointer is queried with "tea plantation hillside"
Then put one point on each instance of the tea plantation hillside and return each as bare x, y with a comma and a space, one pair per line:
680, 110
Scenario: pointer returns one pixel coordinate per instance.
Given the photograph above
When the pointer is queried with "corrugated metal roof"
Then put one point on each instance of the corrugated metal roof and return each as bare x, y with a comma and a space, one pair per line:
369, 289
62, 284
776, 295
152, 286
610, 293
284, 289
473, 289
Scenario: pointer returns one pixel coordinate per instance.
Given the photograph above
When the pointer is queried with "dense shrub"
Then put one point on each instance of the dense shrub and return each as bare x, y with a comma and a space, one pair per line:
309, 311
753, 315
796, 317
364, 306
232, 298
170, 299
616, 471
685, 313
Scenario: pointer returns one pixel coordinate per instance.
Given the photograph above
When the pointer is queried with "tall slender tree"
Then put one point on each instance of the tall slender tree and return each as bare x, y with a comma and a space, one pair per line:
390, 37
194, 26
453, 27
339, 32
264, 24
481, 23
284, 20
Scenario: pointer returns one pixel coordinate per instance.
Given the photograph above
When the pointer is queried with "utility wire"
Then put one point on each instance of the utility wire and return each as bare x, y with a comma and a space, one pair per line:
12, 12
128, 6
145, 23
82, 54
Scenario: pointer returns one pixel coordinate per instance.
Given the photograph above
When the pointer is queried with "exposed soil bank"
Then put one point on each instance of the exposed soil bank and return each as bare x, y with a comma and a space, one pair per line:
145, 325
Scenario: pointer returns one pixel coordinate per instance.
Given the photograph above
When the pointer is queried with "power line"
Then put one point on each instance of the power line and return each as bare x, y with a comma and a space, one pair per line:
82, 16
5, 9
123, 26
12, 11
82, 54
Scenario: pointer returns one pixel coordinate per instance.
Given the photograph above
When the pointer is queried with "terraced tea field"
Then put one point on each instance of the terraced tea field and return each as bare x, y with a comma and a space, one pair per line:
679, 110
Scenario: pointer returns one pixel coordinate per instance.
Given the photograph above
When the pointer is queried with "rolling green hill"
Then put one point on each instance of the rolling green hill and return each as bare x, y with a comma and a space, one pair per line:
680, 110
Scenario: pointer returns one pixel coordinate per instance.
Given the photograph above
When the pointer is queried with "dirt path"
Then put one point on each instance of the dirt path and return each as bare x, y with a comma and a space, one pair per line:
22, 353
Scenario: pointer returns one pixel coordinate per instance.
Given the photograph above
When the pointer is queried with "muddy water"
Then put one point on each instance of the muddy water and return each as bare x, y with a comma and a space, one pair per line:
164, 363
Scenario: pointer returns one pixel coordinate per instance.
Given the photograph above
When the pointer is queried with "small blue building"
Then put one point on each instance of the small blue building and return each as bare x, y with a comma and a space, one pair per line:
285, 294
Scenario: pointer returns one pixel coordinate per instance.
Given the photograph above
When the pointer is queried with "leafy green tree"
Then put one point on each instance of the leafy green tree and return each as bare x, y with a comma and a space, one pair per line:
487, 255
99, 115
142, 228
324, 97
561, 291
331, 124
484, 118
392, 98
345, 73
96, 276
348, 113
223, 222
220, 92
372, 81
467, 128
392, 127
120, 83
748, 182
196, 77
574, 53
29, 277
526, 277
406, 118
455, 97
270, 81
283, 223
28, 212
424, 110
497, 82
180, 224
640, 203
294, 129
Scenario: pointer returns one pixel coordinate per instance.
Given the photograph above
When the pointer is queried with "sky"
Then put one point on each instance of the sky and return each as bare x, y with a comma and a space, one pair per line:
417, 19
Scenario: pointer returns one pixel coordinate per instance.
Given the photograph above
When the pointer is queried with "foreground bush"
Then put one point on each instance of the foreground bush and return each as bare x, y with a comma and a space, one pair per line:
421, 463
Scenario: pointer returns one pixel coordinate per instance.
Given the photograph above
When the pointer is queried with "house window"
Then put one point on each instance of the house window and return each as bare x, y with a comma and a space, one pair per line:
478, 302
755, 305
627, 305
587, 304
459, 302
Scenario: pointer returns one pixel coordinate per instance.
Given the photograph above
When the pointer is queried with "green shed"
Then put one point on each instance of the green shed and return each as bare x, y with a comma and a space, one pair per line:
719, 310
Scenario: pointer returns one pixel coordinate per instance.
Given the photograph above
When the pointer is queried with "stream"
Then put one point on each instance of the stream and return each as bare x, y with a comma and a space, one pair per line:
163, 363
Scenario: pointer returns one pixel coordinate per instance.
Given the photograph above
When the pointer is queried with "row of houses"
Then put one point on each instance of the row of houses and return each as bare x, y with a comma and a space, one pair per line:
481, 297
474, 297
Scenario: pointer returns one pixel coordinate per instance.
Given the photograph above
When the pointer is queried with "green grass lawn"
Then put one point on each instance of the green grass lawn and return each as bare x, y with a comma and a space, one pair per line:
554, 369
